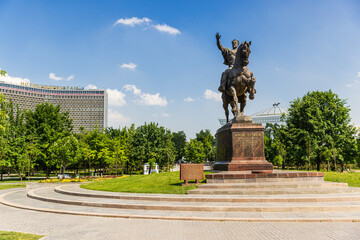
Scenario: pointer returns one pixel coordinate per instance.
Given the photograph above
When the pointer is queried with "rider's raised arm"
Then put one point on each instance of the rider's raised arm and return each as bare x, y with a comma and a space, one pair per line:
218, 36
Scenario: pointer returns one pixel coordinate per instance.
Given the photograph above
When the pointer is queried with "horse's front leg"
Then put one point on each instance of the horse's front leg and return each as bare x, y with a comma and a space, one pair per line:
242, 100
233, 93
225, 106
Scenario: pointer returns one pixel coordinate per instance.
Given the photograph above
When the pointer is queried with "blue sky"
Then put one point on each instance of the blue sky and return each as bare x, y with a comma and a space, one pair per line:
159, 60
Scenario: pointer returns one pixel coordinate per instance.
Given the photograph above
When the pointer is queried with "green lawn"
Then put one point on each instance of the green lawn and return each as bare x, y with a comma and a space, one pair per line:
8, 186
352, 178
18, 236
168, 183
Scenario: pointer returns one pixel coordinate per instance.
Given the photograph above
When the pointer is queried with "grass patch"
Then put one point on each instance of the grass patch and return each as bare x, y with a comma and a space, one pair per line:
8, 186
352, 178
18, 236
167, 183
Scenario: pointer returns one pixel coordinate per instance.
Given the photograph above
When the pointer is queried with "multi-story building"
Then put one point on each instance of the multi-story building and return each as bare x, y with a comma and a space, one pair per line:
87, 108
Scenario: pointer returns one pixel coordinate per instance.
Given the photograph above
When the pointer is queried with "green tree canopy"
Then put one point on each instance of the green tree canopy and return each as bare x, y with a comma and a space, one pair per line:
194, 151
47, 124
4, 146
179, 140
209, 143
3, 73
151, 143
317, 123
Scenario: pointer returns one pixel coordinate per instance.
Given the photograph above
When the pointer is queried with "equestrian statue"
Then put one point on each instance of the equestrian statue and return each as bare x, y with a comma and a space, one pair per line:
237, 81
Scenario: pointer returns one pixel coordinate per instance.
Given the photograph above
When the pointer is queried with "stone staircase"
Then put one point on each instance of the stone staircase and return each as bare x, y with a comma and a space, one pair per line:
258, 201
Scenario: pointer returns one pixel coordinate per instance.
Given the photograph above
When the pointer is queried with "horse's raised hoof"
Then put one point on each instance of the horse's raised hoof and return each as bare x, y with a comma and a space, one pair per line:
252, 96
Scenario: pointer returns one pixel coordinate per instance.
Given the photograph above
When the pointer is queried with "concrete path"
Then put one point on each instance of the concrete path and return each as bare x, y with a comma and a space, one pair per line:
59, 226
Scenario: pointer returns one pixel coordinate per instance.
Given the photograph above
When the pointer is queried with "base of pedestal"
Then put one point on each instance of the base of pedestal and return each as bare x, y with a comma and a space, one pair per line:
253, 176
258, 166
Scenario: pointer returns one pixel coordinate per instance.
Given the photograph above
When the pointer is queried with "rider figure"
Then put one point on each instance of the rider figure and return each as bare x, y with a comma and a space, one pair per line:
229, 58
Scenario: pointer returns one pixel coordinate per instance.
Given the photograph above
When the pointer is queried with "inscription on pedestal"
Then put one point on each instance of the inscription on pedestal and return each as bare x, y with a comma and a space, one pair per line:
247, 145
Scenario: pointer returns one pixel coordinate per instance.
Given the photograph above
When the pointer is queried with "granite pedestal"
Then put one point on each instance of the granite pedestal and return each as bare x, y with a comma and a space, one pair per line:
240, 147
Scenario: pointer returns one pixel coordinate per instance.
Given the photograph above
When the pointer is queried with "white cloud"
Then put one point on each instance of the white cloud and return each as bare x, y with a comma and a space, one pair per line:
14, 80
147, 22
133, 89
209, 94
131, 65
91, 87
133, 21
146, 98
152, 100
166, 28
115, 97
354, 82
189, 99
358, 75
54, 77
116, 119
69, 78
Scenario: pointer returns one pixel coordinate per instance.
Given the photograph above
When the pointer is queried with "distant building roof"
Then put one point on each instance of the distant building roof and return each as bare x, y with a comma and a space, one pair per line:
270, 115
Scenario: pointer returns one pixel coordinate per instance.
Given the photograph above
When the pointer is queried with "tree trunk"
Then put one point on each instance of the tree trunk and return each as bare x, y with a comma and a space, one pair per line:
63, 171
328, 165
283, 163
89, 169
47, 172
318, 164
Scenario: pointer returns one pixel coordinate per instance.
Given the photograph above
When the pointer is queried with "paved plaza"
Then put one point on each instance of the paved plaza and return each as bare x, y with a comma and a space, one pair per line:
63, 226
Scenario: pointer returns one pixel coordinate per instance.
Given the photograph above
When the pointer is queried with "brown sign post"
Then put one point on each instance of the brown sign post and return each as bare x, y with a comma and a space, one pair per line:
191, 172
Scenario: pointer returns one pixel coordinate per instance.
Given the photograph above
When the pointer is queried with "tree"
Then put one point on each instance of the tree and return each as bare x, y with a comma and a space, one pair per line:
179, 140
209, 144
3, 73
275, 144
318, 127
65, 152
97, 152
194, 151
47, 124
4, 147
151, 143
16, 140
31, 152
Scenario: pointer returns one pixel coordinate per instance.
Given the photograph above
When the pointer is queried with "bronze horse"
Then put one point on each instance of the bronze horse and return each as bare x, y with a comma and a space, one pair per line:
240, 81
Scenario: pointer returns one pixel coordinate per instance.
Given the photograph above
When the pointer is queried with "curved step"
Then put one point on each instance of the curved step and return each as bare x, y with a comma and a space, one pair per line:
272, 185
18, 199
265, 191
75, 190
44, 193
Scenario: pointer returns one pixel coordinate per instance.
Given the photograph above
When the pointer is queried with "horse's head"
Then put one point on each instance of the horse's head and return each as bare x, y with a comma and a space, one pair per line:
245, 49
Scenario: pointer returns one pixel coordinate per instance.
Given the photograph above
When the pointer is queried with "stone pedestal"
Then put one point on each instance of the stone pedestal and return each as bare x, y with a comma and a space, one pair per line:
240, 147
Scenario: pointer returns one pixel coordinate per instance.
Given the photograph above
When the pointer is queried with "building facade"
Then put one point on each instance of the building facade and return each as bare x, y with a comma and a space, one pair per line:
87, 108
